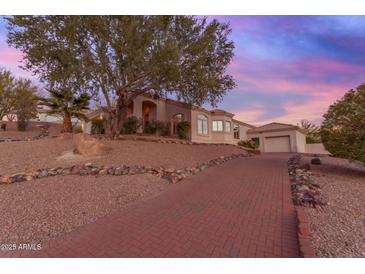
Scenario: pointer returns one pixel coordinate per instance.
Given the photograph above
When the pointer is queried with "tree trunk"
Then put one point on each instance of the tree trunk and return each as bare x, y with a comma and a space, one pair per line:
118, 117
67, 124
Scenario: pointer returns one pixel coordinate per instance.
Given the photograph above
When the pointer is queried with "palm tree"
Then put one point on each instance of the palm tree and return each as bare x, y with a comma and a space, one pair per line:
64, 102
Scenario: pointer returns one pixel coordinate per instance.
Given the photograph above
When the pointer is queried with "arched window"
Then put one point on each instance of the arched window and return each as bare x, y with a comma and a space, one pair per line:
202, 124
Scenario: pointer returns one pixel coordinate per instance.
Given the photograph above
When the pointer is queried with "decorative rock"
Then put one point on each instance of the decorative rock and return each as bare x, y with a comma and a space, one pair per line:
111, 171
304, 189
42, 174
29, 177
66, 171
75, 170
118, 171
89, 146
5, 180
316, 161
103, 171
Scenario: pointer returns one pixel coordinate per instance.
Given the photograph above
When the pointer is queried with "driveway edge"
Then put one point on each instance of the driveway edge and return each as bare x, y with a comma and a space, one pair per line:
304, 232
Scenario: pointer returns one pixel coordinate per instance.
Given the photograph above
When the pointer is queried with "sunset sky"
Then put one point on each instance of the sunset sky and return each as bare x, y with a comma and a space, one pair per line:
287, 68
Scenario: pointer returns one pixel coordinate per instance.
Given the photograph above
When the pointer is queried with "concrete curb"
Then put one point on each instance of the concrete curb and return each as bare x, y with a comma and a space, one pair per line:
304, 234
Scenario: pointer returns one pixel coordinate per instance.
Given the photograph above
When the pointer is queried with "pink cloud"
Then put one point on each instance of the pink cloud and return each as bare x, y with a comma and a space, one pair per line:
306, 76
10, 56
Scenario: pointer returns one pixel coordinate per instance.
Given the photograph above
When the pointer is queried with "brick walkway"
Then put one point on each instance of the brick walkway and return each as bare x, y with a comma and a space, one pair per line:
239, 209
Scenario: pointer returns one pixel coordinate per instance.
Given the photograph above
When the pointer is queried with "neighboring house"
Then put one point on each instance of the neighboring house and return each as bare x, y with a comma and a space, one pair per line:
214, 126
277, 137
42, 116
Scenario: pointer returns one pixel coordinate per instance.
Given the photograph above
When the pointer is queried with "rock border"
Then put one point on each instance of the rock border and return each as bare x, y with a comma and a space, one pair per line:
305, 192
166, 140
44, 132
172, 175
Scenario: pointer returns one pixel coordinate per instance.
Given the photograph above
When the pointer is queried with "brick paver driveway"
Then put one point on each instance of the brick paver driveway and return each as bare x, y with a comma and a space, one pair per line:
242, 208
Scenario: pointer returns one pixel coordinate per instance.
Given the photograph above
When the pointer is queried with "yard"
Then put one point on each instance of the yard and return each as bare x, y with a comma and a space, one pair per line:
339, 227
33, 130
36, 211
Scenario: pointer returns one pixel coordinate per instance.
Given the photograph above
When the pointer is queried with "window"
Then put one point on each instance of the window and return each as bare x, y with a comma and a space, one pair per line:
236, 131
228, 126
202, 124
217, 125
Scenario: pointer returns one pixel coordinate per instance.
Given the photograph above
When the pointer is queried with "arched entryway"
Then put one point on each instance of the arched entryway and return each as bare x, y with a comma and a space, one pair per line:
177, 118
148, 111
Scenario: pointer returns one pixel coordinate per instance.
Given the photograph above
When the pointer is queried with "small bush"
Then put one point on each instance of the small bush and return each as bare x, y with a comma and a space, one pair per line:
150, 127
248, 144
98, 126
131, 125
183, 129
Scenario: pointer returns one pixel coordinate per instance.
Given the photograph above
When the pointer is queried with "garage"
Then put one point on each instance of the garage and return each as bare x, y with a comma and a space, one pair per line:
278, 137
277, 144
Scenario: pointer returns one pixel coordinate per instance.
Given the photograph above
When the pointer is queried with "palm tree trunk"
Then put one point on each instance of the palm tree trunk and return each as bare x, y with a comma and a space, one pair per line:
67, 124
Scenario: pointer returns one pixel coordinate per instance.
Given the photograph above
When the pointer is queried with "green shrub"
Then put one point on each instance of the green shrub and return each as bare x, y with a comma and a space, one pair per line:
98, 126
183, 129
248, 144
131, 125
150, 127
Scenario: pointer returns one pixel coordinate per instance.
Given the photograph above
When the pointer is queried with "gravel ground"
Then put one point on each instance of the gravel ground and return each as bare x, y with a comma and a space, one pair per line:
29, 156
339, 228
36, 211
32, 130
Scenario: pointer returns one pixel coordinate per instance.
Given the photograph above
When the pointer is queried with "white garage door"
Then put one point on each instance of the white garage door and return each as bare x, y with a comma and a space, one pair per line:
277, 144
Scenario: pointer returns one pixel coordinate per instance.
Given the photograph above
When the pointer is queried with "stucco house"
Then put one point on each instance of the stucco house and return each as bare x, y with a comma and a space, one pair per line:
214, 126
207, 126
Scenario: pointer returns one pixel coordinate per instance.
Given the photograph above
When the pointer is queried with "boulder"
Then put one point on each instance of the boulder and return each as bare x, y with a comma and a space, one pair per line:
316, 161
89, 146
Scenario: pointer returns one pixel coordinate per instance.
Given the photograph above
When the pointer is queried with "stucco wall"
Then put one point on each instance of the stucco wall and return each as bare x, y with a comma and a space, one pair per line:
160, 107
301, 142
173, 109
316, 149
243, 132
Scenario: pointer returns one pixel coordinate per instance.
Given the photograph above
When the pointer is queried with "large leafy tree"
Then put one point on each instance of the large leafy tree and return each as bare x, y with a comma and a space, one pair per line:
313, 132
51, 49
7, 84
343, 128
67, 105
125, 56
25, 102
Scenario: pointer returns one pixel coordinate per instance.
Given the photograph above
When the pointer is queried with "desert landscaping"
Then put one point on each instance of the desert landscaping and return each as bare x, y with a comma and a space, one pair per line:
329, 193
38, 209
339, 227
